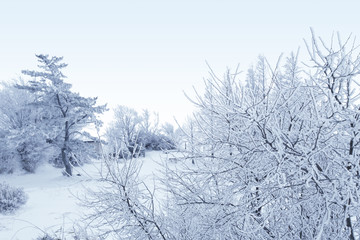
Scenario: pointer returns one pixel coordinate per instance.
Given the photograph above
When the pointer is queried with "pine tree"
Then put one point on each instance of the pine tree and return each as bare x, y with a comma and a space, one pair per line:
68, 112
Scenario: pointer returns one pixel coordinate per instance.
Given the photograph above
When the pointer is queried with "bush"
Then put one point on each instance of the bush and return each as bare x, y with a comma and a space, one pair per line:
8, 160
11, 198
48, 237
7, 164
158, 142
30, 154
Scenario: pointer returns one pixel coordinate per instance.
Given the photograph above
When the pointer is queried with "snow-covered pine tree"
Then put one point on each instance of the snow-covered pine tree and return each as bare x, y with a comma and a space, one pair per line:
70, 112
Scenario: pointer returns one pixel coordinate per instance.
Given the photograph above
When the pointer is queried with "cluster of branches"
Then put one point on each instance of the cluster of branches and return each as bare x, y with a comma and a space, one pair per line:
20, 145
131, 132
275, 157
44, 113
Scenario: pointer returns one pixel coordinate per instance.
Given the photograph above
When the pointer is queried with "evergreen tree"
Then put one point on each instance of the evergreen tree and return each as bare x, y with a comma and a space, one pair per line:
68, 112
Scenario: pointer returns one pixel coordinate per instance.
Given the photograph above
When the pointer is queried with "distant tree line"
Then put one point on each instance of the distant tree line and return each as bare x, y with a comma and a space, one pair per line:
131, 132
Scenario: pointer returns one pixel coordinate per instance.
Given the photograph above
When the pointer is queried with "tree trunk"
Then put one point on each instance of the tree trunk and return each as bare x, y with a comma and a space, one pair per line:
66, 162
64, 150
348, 218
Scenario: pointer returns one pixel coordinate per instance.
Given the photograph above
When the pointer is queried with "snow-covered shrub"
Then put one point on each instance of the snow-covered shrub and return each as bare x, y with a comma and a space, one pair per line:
11, 198
159, 142
22, 131
47, 237
7, 163
30, 153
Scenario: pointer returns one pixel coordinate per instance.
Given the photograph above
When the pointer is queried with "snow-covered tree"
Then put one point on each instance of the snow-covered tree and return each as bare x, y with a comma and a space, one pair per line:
125, 207
123, 132
131, 131
276, 156
169, 133
70, 113
149, 122
22, 138
292, 172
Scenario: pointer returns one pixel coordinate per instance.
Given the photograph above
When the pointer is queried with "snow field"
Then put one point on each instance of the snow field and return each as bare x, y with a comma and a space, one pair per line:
53, 199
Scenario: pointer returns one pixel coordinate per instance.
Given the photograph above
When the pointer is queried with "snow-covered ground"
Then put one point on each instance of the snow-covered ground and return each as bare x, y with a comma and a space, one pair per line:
52, 205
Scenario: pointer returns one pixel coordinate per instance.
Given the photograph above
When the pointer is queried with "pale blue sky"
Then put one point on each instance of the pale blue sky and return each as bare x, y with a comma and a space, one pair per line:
143, 54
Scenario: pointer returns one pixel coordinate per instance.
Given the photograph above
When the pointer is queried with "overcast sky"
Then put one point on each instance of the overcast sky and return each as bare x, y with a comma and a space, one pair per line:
144, 54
